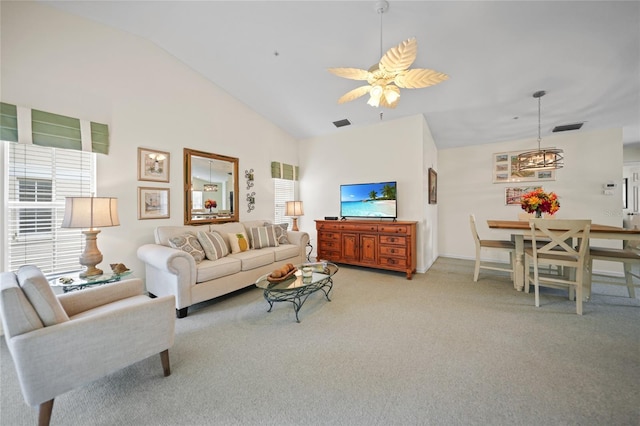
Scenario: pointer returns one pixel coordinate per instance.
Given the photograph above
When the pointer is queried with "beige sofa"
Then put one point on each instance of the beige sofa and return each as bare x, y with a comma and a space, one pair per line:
171, 271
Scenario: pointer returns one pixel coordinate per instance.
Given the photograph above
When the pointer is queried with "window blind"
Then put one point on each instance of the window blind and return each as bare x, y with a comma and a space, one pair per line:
284, 190
39, 178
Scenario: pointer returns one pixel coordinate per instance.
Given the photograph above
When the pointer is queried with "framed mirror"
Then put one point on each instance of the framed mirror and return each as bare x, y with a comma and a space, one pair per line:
211, 188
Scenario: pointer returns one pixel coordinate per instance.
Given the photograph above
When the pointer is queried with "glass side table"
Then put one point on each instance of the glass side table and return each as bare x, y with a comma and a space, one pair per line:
73, 282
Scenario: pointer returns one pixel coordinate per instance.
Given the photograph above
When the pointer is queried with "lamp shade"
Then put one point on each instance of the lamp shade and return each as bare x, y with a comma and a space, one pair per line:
90, 212
294, 208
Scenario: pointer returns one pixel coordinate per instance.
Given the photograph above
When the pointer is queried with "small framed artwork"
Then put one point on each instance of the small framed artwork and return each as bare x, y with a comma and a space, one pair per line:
153, 203
153, 165
433, 186
505, 170
513, 195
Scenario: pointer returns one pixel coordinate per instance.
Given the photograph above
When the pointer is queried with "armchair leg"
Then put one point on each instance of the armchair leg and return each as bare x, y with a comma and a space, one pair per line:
44, 413
181, 313
164, 357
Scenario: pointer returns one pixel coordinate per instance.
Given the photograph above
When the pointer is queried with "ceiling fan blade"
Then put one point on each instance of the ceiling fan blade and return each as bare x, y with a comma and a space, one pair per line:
354, 94
401, 57
419, 77
352, 73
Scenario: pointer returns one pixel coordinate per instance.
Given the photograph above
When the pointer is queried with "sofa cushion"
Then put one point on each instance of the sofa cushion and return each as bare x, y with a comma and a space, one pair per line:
263, 236
40, 295
189, 244
281, 232
212, 269
254, 258
18, 314
213, 245
285, 251
238, 242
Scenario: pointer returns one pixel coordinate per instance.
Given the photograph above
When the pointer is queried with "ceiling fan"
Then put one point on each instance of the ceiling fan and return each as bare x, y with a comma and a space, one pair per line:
391, 74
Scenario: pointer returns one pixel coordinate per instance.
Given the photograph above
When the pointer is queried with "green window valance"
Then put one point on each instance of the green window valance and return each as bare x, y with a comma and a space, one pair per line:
284, 171
8, 123
54, 130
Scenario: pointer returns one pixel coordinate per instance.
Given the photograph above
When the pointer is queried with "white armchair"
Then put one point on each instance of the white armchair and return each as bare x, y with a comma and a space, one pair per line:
59, 343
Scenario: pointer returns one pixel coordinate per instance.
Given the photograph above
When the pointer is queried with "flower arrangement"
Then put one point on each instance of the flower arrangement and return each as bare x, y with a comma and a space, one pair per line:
538, 202
210, 204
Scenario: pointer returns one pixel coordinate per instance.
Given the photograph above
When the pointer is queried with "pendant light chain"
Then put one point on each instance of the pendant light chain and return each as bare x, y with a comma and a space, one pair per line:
381, 12
539, 121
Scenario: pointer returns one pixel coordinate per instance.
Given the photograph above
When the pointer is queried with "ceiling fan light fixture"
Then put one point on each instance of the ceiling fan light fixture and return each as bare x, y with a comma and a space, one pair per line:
392, 72
391, 94
376, 93
540, 159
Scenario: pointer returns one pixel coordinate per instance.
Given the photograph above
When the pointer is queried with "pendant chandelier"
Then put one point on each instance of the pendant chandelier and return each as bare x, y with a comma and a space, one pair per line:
210, 187
541, 159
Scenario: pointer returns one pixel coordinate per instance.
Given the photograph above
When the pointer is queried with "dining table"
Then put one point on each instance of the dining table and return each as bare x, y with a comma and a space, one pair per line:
520, 228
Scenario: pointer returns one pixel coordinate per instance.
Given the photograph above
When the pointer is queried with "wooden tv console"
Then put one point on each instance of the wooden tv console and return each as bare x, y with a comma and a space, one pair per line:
372, 243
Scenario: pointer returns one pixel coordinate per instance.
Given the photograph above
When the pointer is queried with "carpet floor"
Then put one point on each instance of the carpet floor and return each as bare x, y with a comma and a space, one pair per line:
436, 350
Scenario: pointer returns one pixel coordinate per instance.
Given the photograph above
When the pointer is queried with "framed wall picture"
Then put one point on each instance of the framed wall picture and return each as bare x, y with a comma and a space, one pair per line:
505, 170
513, 195
153, 165
433, 186
153, 203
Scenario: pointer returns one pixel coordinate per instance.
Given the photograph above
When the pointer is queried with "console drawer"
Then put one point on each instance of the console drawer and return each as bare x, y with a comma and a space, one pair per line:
397, 262
329, 245
392, 239
393, 229
393, 251
329, 236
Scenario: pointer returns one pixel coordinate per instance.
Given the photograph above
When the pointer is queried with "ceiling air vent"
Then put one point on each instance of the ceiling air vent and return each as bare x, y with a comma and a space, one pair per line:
567, 127
341, 123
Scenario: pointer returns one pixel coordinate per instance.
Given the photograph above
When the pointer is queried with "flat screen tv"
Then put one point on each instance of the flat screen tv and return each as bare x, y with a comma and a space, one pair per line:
369, 200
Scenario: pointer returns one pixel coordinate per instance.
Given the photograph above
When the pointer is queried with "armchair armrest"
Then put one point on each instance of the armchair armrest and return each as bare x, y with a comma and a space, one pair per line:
81, 301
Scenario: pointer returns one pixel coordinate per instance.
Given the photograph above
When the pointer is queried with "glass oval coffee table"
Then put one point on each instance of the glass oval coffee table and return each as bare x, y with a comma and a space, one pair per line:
296, 289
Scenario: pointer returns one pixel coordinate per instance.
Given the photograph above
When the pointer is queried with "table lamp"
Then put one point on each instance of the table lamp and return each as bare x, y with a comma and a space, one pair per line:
294, 209
92, 213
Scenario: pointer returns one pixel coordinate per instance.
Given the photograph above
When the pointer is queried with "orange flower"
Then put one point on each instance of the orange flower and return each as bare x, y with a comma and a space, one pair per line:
540, 201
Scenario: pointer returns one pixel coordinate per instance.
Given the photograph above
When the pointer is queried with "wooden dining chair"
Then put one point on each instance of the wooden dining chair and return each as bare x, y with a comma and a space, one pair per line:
503, 245
559, 251
629, 256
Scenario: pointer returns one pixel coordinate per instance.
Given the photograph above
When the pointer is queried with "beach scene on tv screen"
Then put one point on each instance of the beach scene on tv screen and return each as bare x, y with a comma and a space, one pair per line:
368, 200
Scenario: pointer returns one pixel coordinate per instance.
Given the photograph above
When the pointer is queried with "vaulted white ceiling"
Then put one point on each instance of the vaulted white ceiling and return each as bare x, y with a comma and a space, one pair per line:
273, 56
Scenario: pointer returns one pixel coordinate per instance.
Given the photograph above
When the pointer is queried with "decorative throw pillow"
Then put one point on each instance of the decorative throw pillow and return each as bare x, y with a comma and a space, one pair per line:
263, 236
213, 245
238, 242
281, 232
37, 289
189, 244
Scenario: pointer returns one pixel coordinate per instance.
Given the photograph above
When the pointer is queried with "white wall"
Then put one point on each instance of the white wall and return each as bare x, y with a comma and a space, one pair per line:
465, 180
388, 151
57, 62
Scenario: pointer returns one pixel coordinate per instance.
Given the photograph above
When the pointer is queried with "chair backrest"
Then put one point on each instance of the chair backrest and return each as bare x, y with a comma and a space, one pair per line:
474, 230
557, 236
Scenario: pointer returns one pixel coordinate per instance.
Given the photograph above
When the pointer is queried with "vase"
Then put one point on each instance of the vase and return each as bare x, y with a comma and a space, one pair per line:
538, 214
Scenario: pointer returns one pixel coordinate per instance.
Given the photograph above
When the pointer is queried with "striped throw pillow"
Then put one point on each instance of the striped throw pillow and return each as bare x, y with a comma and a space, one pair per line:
263, 236
213, 245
